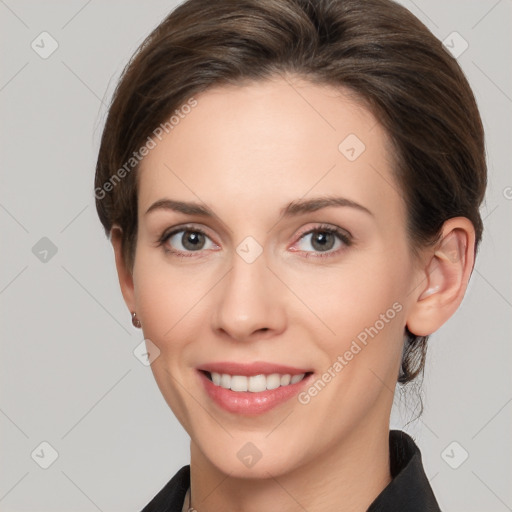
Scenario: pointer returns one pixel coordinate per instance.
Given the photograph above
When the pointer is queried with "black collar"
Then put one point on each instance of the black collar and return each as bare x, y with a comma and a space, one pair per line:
409, 491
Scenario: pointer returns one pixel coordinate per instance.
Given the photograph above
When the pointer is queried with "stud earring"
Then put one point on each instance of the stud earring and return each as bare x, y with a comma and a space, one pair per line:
136, 321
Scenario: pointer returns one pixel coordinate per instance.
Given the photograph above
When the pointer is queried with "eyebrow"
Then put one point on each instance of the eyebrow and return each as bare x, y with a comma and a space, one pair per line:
297, 207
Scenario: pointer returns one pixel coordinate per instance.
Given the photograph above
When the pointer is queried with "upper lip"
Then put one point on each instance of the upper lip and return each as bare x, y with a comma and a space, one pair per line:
248, 369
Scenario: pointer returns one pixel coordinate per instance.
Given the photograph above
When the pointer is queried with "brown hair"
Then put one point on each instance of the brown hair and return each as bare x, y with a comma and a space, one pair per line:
375, 48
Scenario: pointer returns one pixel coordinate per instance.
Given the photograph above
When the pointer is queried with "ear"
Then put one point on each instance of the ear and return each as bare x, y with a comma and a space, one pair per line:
123, 272
443, 278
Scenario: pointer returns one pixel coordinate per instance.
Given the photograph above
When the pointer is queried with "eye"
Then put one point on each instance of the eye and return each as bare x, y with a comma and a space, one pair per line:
323, 239
186, 239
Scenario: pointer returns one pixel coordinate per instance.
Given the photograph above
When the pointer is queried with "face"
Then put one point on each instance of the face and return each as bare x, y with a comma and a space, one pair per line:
291, 261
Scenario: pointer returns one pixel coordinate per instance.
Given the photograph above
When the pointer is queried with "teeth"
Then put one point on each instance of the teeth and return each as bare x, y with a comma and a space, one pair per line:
216, 378
257, 383
254, 383
297, 378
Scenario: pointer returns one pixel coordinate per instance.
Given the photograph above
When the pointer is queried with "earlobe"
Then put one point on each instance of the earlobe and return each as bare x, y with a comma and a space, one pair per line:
444, 279
123, 273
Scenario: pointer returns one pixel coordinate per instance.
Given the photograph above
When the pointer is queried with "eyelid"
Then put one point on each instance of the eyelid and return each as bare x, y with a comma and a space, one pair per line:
184, 227
325, 227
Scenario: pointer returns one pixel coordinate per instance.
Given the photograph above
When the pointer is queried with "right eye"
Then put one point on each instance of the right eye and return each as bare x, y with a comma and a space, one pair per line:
185, 241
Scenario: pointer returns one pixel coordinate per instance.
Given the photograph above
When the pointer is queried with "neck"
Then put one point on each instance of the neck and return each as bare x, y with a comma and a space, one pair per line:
346, 477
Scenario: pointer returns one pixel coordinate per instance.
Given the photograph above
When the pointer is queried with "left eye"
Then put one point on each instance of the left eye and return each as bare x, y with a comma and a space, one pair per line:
322, 240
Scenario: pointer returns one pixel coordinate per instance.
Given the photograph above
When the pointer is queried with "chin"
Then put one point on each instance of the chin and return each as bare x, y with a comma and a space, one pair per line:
249, 462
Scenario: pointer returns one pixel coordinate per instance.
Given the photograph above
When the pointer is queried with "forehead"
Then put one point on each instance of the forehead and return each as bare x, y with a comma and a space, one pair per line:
268, 142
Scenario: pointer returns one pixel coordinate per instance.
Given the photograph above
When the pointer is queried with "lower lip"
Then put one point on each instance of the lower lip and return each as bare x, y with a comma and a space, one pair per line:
247, 402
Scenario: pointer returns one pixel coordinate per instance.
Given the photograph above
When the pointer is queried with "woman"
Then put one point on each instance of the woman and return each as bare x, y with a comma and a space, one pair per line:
292, 191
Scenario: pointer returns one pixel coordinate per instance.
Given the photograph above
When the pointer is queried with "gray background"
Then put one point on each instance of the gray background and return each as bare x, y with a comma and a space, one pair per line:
68, 374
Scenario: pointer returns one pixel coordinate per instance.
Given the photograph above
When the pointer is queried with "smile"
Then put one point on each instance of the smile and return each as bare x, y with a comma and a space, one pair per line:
251, 389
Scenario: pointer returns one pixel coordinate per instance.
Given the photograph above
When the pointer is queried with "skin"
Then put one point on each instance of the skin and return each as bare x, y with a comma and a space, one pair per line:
246, 152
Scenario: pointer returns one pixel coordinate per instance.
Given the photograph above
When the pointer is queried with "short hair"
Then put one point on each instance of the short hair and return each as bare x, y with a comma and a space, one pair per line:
376, 49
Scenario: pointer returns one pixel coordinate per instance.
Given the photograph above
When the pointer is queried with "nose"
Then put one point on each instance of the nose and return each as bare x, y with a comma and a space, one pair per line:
250, 302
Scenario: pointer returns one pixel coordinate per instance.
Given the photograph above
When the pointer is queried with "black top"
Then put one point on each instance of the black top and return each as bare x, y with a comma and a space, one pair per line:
409, 490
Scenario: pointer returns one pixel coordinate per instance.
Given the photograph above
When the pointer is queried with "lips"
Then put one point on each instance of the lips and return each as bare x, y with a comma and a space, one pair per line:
250, 369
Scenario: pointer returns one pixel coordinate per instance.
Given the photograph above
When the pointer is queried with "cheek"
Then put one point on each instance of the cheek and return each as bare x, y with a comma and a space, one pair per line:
350, 297
359, 314
166, 297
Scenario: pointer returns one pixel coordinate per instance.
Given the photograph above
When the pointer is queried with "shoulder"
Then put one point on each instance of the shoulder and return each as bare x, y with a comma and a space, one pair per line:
172, 495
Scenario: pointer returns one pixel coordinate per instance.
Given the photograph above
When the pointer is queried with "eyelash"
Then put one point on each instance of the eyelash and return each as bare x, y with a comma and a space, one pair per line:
345, 238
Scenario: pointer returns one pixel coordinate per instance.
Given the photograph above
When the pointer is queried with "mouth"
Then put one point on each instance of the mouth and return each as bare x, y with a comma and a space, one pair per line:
251, 389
